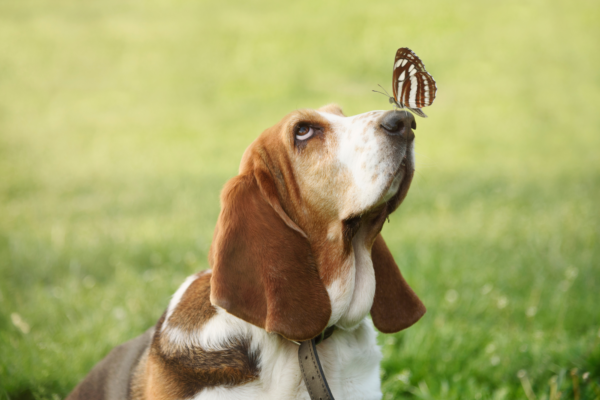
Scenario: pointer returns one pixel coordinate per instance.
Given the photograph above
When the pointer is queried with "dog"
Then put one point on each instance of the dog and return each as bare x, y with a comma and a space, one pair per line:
296, 250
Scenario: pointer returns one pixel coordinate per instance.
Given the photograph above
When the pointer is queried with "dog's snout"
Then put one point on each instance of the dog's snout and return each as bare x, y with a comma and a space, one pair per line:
399, 123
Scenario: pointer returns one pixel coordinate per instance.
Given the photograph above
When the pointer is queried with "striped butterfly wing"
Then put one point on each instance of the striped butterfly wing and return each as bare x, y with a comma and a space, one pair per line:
412, 85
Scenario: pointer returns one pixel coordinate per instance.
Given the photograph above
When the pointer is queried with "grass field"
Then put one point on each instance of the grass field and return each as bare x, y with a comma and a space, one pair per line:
120, 121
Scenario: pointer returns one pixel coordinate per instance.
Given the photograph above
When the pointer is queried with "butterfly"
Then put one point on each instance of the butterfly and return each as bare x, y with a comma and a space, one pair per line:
413, 87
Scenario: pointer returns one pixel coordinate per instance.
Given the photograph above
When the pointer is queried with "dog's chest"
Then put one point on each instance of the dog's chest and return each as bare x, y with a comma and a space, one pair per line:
350, 362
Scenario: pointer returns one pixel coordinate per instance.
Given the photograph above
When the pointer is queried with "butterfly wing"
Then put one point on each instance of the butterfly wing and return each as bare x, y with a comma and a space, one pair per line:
418, 112
420, 90
399, 75
412, 85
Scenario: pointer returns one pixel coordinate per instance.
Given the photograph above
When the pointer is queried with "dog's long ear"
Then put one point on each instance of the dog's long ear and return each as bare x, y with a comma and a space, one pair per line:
263, 270
396, 306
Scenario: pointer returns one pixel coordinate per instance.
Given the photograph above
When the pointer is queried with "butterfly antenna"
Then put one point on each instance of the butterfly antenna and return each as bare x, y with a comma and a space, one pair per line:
385, 93
384, 90
377, 91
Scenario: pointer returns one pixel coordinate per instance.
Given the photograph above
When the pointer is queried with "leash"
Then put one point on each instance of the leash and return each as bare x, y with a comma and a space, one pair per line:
310, 365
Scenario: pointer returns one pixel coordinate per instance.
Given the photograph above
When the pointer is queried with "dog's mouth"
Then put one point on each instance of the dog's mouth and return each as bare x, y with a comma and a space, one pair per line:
395, 192
401, 182
405, 169
405, 165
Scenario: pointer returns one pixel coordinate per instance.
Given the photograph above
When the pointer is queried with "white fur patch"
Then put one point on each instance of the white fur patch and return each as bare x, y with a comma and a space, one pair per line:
352, 295
340, 295
364, 285
369, 156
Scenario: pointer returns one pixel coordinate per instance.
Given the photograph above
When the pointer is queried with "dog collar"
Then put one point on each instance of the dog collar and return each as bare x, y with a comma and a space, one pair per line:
310, 365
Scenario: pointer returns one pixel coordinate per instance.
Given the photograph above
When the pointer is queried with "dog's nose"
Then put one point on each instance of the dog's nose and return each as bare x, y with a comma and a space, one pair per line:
399, 123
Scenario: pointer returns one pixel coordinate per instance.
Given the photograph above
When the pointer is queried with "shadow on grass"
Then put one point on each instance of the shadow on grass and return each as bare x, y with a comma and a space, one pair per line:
35, 390
19, 394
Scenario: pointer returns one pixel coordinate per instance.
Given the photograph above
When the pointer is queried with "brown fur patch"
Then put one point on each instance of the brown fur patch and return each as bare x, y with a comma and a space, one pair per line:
194, 308
175, 372
139, 378
172, 371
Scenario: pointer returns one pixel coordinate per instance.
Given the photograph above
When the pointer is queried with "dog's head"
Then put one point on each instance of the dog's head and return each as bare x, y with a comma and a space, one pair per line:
297, 245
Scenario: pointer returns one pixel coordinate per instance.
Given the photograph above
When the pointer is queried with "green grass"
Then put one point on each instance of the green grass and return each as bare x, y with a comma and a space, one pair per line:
121, 120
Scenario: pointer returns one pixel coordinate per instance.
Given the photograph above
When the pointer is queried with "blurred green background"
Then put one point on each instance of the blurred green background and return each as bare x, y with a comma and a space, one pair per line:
120, 121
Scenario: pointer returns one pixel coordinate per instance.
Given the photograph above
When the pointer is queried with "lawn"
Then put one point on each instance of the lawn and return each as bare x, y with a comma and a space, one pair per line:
120, 121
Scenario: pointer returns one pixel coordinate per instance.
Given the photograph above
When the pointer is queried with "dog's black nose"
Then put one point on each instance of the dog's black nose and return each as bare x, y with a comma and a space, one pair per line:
399, 123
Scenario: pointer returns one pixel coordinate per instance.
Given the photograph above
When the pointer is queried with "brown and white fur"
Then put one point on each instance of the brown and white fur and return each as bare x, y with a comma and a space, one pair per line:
297, 248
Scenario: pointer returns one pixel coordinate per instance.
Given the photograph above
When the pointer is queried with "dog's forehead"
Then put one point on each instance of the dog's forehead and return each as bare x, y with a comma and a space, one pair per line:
353, 122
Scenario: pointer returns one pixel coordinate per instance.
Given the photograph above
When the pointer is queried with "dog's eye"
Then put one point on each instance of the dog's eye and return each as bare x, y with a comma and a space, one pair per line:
304, 132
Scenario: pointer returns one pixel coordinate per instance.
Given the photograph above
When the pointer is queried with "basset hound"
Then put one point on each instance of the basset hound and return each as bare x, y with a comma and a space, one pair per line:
297, 249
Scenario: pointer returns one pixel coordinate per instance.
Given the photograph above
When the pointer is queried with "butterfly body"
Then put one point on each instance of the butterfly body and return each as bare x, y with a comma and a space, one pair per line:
413, 87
